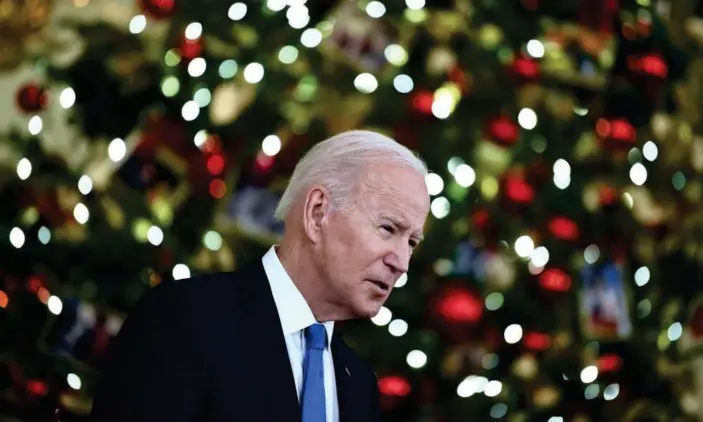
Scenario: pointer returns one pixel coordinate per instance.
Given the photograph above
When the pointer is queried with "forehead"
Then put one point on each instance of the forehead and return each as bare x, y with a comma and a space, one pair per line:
396, 189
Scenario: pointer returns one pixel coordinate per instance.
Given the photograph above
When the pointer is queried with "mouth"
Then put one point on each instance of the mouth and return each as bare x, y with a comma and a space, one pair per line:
384, 287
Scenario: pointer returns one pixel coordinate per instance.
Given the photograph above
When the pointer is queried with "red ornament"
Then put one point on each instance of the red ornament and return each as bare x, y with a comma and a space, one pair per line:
31, 98
503, 130
555, 280
458, 305
607, 195
394, 386
564, 228
516, 189
157, 9
422, 101
190, 49
215, 164
609, 363
618, 132
652, 65
537, 342
525, 69
37, 388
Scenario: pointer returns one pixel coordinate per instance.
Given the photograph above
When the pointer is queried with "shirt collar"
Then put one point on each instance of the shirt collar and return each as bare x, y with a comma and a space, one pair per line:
293, 310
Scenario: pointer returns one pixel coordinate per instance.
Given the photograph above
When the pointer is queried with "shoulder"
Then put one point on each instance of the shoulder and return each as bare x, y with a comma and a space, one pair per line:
196, 295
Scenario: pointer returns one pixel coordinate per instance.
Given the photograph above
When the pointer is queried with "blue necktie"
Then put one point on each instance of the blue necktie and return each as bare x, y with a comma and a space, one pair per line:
313, 397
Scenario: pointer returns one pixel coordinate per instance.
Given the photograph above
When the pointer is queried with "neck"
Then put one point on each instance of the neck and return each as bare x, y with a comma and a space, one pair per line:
296, 259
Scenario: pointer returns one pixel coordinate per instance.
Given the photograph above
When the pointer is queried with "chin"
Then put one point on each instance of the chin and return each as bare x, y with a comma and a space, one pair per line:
368, 309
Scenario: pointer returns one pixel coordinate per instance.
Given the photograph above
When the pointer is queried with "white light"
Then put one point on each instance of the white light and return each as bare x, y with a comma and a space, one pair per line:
17, 237
383, 317
674, 332
493, 388
237, 11
642, 276
288, 54
562, 181
650, 151
137, 24
440, 207
74, 381
556, 419
24, 169
416, 359
254, 73
271, 145
365, 83
155, 235
589, 374
464, 175
299, 21
403, 83
539, 257
311, 38
67, 98
415, 4
276, 5
535, 49
197, 67
85, 184
193, 31
117, 149
398, 328
190, 111
524, 246
442, 107
180, 272
638, 174
35, 125
375, 9
562, 167
44, 235
512, 333
200, 138
434, 183
81, 213
471, 385
402, 281
591, 254
611, 392
527, 118
55, 305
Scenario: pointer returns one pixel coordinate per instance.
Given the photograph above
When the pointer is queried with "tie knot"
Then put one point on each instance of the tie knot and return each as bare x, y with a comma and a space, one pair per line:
316, 337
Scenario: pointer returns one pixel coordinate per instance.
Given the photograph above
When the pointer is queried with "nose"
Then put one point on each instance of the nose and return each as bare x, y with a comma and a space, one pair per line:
398, 259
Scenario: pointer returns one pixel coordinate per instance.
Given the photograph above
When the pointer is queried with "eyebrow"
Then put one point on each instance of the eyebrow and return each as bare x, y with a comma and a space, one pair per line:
401, 224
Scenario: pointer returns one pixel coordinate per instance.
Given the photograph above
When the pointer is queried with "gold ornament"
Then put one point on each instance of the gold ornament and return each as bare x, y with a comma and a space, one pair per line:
19, 21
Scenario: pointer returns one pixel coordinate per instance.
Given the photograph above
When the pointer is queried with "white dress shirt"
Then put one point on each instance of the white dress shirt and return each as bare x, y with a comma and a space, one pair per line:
295, 315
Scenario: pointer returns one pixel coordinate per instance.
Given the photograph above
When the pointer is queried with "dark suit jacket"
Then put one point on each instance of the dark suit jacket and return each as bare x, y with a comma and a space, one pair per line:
211, 349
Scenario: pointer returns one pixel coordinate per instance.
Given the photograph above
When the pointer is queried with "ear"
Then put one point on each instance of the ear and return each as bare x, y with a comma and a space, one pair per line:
316, 212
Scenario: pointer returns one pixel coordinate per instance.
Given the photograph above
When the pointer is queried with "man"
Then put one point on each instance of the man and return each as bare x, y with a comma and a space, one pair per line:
259, 345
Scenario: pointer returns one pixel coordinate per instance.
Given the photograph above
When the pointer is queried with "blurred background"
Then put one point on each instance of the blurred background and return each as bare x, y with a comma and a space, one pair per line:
144, 141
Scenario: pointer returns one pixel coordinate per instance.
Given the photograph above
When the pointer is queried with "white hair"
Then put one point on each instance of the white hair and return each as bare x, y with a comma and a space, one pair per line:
337, 164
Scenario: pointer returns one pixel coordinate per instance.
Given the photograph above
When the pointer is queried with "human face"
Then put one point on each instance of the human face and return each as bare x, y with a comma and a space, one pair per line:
365, 248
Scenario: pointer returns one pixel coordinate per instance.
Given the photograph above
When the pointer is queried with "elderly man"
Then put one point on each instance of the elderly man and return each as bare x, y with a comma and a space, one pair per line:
258, 345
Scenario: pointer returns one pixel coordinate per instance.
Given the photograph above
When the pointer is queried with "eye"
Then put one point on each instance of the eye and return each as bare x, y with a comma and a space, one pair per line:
388, 228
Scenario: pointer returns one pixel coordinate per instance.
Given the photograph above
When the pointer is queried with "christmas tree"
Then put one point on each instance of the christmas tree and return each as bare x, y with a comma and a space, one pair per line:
145, 142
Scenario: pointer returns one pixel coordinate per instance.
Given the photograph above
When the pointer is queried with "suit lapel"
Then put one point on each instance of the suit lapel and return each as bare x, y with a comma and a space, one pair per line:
349, 382
262, 336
